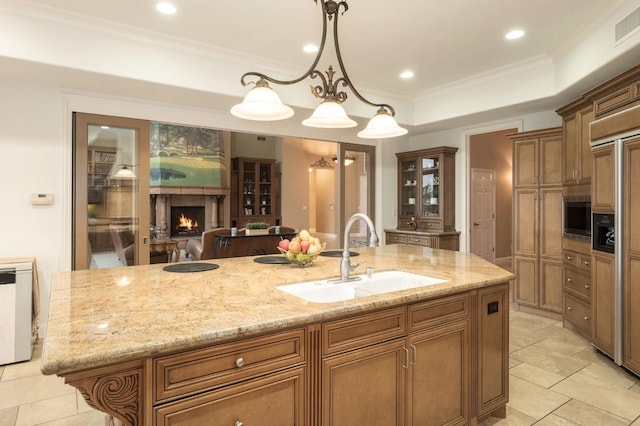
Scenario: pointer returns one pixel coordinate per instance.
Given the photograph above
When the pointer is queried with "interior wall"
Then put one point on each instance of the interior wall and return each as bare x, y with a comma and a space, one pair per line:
494, 151
253, 146
325, 200
295, 185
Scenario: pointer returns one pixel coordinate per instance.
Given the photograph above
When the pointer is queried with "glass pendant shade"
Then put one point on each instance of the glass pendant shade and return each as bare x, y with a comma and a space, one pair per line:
329, 115
262, 104
382, 126
124, 173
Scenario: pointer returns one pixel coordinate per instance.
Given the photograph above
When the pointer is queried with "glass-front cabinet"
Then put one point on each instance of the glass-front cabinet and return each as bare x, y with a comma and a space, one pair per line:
254, 191
426, 185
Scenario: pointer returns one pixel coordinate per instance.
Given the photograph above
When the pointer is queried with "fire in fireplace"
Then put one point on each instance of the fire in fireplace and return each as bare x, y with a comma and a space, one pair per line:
187, 221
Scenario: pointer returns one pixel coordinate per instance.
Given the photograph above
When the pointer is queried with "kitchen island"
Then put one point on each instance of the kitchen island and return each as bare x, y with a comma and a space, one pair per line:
227, 347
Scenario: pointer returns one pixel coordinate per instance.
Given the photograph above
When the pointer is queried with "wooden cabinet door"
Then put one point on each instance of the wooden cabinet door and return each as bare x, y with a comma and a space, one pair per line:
525, 283
365, 387
603, 301
550, 223
586, 116
603, 196
570, 128
438, 391
525, 241
272, 400
550, 161
525, 160
631, 255
493, 349
551, 285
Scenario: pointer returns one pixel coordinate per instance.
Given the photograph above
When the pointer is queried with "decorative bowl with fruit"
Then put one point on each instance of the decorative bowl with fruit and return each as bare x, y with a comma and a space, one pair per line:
302, 249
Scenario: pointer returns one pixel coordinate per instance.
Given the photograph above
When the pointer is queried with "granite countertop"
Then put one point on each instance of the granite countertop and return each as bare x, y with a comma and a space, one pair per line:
107, 316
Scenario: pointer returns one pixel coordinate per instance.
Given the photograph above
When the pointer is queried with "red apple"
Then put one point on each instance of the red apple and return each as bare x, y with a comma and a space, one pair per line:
284, 244
304, 245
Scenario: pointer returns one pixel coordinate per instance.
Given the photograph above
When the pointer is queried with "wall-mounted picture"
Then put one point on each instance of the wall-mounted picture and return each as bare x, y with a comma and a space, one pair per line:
187, 156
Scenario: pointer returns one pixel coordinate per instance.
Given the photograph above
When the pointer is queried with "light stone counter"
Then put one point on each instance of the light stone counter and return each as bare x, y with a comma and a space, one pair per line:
107, 316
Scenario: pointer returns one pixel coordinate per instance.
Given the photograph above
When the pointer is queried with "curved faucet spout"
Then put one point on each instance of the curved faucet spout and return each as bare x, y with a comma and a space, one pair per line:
345, 266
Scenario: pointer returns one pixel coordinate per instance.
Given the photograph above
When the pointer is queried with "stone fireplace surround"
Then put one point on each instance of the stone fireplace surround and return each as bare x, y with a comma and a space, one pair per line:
163, 198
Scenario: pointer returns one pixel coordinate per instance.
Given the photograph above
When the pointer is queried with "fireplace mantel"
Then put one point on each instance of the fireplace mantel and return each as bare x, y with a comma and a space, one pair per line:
189, 190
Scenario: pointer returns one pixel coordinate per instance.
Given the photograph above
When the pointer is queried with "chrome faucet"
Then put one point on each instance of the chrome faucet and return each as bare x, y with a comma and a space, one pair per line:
345, 265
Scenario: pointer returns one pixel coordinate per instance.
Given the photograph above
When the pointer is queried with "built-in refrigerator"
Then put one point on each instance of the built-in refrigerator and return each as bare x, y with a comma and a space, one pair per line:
619, 230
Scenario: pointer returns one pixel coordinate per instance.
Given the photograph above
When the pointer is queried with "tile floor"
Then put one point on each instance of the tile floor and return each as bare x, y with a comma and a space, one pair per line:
556, 379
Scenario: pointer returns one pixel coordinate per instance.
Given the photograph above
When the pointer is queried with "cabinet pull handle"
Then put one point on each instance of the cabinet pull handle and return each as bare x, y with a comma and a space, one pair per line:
569, 308
415, 356
238, 423
240, 361
587, 286
406, 358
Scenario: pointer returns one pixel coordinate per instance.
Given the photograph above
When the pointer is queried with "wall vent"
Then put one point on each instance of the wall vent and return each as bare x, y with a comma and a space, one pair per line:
628, 25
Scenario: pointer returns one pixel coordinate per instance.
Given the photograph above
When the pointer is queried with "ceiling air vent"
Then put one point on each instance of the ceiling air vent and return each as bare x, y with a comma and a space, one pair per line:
628, 25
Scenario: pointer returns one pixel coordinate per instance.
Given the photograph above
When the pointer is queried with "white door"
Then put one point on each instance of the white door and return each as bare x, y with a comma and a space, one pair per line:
483, 213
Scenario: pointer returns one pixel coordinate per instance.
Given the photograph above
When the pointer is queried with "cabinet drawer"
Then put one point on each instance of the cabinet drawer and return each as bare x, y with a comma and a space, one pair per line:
578, 282
277, 399
570, 258
430, 225
584, 262
419, 241
208, 368
363, 330
396, 238
436, 312
578, 313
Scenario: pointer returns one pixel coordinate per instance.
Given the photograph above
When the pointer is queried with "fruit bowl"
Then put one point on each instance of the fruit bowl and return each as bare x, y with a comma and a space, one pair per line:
301, 259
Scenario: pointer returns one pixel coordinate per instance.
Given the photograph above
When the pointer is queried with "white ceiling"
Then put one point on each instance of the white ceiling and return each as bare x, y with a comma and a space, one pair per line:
448, 44
442, 41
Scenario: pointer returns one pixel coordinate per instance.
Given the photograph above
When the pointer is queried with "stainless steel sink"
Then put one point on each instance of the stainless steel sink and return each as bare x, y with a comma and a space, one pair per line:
325, 291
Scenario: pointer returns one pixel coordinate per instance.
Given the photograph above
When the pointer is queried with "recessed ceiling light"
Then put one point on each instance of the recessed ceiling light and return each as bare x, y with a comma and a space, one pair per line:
406, 74
166, 8
310, 48
514, 34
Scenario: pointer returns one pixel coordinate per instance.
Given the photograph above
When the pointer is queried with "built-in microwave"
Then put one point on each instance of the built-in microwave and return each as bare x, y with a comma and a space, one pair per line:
576, 218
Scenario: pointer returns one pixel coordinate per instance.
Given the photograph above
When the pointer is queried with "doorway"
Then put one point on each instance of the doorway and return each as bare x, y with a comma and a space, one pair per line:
110, 191
492, 151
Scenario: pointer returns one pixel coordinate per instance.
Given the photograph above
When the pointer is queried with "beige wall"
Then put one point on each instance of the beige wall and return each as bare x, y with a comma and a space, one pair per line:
494, 151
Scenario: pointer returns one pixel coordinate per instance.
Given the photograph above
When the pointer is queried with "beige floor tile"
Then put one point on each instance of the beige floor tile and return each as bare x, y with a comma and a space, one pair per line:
21, 370
533, 400
36, 413
586, 415
514, 418
8, 416
610, 373
513, 362
93, 418
553, 420
32, 389
636, 423
591, 354
563, 342
83, 407
519, 339
551, 361
535, 375
603, 395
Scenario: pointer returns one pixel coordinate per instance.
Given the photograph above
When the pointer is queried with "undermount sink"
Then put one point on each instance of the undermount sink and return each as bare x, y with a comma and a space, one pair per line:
326, 291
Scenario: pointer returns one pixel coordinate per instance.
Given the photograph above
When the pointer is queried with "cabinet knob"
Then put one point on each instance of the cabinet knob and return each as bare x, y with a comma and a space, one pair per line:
238, 423
569, 308
586, 318
587, 263
569, 258
587, 286
569, 280
239, 361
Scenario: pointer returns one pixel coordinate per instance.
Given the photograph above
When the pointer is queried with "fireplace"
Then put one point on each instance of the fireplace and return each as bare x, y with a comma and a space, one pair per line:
187, 220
